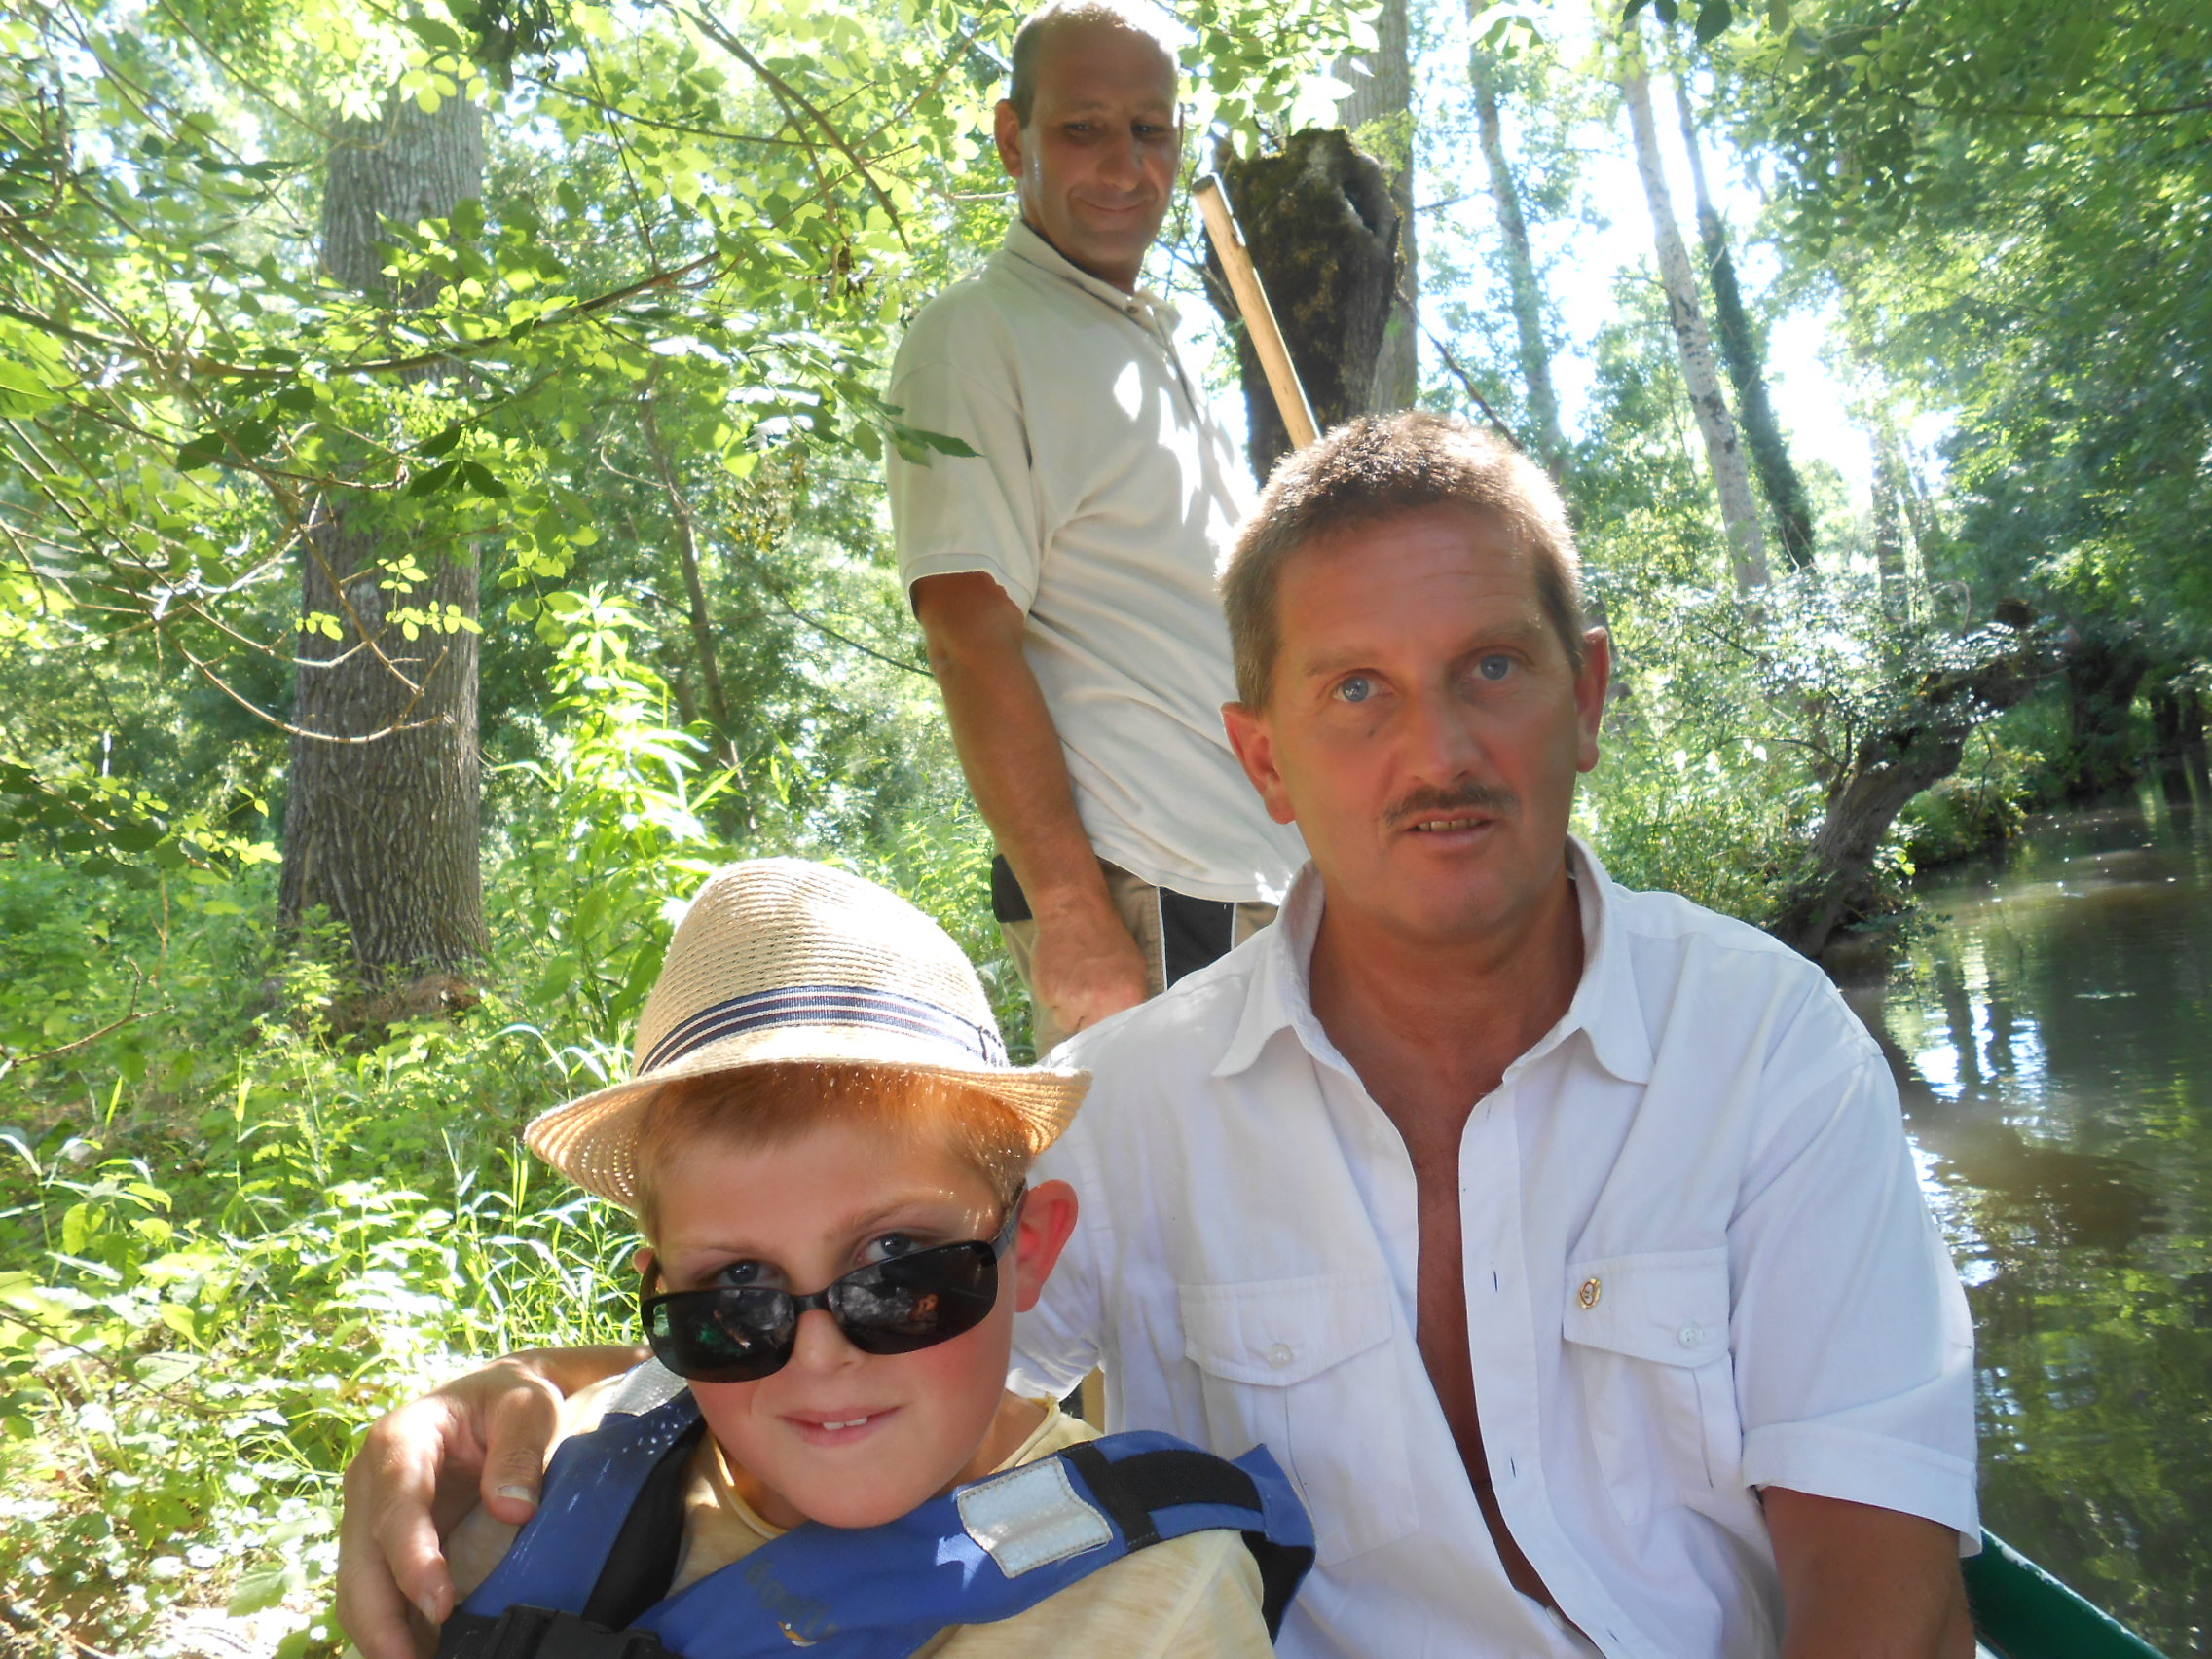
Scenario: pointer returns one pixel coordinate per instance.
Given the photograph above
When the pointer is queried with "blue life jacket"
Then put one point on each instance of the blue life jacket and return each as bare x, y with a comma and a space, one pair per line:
588, 1576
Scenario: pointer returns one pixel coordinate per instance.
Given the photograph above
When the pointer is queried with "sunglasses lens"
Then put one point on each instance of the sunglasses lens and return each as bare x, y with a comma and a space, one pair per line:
916, 1301
722, 1336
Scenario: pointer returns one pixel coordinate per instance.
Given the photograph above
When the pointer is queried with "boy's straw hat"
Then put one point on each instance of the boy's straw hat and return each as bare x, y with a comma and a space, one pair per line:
780, 961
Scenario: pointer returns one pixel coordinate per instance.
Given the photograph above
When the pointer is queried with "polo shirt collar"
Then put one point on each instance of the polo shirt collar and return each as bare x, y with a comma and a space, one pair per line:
1025, 246
1606, 1006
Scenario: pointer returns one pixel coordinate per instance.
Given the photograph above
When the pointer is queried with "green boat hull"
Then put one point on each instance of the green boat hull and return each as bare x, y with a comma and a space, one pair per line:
2022, 1612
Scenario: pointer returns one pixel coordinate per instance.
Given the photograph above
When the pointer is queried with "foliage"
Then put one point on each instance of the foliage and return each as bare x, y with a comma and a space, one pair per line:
2017, 218
2006, 776
686, 230
244, 1227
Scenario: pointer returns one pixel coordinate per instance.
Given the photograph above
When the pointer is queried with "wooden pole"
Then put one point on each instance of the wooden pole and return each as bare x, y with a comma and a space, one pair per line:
1259, 316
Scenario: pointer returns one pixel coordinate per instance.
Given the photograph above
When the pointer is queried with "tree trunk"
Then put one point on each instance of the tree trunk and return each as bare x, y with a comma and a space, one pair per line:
2177, 717
1887, 770
381, 817
1323, 230
2104, 671
1889, 490
1383, 95
687, 556
1919, 512
1746, 370
1527, 294
1746, 540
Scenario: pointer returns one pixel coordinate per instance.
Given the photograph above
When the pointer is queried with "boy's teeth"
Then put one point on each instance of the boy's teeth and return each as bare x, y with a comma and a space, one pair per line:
853, 1424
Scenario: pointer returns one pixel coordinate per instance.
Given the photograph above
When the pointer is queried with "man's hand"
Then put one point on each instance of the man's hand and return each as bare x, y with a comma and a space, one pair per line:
480, 1439
1860, 1582
1086, 965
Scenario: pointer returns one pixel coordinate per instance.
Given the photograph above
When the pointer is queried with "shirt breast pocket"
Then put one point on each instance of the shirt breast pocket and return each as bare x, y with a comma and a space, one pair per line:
1649, 1334
1305, 1367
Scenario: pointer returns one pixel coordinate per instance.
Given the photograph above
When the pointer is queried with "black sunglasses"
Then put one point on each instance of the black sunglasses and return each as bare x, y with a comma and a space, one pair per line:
741, 1333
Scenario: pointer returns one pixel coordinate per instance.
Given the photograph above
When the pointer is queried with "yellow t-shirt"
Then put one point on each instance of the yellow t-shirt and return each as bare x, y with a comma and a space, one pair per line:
1191, 1597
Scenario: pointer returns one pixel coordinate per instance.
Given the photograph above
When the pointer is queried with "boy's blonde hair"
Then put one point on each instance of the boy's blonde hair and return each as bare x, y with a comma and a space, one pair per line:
758, 1107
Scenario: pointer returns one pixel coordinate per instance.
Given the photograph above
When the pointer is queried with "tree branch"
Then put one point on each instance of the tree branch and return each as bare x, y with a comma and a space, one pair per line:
788, 97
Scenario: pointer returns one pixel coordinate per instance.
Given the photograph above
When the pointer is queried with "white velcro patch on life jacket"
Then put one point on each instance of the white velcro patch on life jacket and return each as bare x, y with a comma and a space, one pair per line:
1031, 1517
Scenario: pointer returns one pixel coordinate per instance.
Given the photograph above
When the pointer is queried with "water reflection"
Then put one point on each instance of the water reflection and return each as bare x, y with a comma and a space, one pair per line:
2052, 1036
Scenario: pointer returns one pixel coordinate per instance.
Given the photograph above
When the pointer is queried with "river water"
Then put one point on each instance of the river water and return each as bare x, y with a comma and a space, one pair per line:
2052, 1030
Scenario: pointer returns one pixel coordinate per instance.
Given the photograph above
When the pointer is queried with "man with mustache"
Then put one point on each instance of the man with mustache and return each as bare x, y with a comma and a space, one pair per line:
1562, 1241
1063, 578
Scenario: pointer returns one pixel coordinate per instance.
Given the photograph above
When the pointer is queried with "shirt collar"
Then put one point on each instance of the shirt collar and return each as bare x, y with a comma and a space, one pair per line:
1279, 994
1025, 246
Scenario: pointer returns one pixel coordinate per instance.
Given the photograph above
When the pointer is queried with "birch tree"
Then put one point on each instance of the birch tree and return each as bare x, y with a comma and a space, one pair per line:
1740, 350
1723, 449
1525, 292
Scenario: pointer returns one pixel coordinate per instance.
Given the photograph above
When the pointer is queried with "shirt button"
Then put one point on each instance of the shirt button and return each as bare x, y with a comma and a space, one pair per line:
1592, 1289
1691, 1334
1280, 1354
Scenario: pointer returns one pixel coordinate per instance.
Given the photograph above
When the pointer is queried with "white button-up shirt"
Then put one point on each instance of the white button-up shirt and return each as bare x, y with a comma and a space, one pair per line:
1697, 1262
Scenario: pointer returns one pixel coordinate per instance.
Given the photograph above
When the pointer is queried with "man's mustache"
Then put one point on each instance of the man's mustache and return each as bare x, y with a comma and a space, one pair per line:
1481, 796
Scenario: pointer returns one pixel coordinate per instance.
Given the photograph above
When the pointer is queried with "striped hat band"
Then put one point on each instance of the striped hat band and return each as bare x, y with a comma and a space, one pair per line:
826, 1005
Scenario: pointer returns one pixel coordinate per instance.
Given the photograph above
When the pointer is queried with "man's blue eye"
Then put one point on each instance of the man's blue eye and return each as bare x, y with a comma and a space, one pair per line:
1494, 667
1358, 689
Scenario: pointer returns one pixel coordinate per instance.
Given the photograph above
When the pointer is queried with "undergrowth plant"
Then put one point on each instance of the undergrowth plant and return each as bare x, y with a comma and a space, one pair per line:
243, 1223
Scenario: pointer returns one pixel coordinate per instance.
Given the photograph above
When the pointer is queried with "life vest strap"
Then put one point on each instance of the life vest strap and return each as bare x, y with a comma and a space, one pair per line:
1133, 1490
642, 1563
537, 1632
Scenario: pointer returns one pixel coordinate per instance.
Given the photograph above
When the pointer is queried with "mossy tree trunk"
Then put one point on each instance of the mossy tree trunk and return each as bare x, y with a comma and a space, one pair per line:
1740, 350
1323, 230
1920, 746
1723, 448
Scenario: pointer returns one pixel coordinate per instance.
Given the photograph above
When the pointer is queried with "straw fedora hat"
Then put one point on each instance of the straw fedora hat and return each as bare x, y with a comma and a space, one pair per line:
780, 961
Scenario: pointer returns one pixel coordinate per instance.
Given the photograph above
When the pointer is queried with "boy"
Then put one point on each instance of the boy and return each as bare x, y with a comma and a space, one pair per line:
826, 1150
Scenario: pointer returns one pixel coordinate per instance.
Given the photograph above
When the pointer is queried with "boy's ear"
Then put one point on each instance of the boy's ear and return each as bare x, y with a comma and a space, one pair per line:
1047, 1217
641, 1263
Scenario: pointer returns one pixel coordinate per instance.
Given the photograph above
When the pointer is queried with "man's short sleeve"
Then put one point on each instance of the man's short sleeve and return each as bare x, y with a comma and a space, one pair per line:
961, 513
1854, 1349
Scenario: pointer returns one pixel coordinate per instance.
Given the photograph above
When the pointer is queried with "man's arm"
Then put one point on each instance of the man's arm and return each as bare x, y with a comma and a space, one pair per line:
1860, 1582
1087, 965
480, 1439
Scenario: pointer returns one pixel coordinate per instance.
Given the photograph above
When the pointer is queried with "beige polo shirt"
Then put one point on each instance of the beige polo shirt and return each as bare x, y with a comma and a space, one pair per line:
1103, 499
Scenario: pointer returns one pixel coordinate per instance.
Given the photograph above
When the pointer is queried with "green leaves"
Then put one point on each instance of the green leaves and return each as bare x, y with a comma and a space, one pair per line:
460, 474
23, 391
1713, 17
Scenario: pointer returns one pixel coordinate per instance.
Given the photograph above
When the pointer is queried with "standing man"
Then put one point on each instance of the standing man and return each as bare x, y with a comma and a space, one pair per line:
1064, 581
